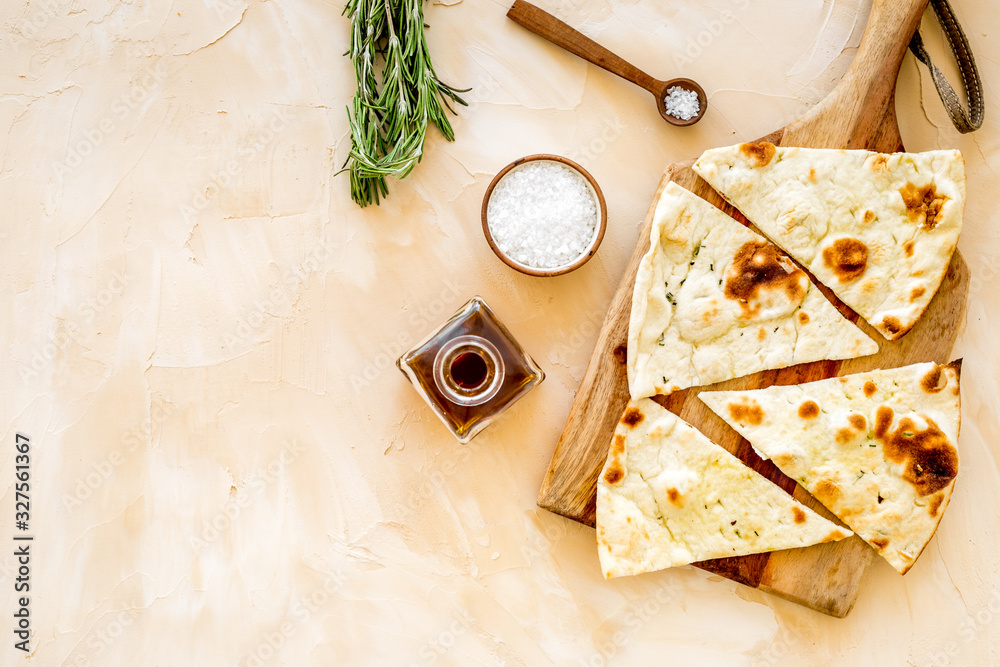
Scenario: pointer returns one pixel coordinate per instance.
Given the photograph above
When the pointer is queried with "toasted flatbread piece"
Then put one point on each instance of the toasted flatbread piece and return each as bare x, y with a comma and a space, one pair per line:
714, 300
878, 449
669, 496
878, 229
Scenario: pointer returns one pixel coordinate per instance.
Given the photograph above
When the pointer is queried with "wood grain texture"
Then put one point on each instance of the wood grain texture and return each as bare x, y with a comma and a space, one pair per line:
824, 577
545, 25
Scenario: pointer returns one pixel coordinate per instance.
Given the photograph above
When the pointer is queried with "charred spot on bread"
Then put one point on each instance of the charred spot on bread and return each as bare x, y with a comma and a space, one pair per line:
879, 163
931, 381
880, 543
758, 155
809, 410
826, 490
632, 417
935, 504
923, 204
618, 446
857, 424
883, 420
847, 258
748, 412
869, 388
798, 515
892, 325
614, 473
674, 496
930, 459
757, 265
869, 217
803, 317
916, 293
908, 248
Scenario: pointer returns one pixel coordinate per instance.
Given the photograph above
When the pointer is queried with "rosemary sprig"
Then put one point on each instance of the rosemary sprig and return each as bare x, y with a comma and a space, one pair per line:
389, 115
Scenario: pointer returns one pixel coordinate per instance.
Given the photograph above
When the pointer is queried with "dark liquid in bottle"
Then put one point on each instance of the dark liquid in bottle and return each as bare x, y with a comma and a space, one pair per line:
468, 370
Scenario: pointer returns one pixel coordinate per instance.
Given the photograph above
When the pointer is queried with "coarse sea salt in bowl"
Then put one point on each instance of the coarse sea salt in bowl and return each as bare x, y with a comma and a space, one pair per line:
544, 215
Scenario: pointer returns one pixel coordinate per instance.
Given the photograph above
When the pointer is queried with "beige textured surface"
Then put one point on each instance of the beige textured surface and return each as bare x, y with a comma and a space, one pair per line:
199, 328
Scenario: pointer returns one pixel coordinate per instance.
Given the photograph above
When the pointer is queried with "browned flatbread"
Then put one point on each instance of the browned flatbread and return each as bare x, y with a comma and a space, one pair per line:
878, 449
878, 229
714, 300
669, 496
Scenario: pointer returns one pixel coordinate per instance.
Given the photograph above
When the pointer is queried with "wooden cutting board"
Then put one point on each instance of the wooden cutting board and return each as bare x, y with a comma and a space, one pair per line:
858, 113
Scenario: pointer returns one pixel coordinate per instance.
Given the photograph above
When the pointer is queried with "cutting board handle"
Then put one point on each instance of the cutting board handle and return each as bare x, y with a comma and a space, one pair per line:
867, 92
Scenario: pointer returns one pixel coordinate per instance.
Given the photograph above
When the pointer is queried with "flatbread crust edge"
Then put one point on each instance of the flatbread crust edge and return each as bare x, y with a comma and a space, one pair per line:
928, 196
914, 461
668, 496
741, 306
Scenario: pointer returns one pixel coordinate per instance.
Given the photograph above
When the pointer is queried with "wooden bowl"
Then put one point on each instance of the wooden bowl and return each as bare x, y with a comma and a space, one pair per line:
602, 221
661, 105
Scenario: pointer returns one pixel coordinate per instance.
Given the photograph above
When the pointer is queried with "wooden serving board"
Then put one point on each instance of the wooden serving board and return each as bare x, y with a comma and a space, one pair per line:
858, 113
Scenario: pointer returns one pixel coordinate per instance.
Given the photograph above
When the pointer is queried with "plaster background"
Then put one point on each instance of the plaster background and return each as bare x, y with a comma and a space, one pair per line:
199, 328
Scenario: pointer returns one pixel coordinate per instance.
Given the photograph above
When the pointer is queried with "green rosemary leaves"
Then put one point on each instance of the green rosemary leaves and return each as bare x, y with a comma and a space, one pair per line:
389, 114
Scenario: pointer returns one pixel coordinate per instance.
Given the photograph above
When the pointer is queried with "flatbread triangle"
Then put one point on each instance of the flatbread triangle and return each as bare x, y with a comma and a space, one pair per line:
669, 496
878, 449
877, 229
713, 300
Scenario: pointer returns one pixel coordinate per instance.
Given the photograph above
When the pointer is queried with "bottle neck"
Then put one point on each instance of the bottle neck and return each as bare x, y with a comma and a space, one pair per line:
468, 370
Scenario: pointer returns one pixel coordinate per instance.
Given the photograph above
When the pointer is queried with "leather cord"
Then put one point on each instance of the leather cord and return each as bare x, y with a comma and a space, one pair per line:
967, 65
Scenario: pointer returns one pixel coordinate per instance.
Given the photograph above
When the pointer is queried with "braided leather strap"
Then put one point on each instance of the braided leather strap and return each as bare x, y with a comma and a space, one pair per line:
967, 65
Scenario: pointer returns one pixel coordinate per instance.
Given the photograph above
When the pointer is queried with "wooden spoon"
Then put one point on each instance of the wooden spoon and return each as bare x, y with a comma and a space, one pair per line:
545, 25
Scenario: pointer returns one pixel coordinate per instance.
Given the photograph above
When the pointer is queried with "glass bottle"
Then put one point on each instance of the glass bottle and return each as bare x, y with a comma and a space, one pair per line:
470, 370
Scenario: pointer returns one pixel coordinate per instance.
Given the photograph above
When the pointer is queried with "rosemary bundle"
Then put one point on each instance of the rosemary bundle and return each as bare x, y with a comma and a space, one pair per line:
389, 114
